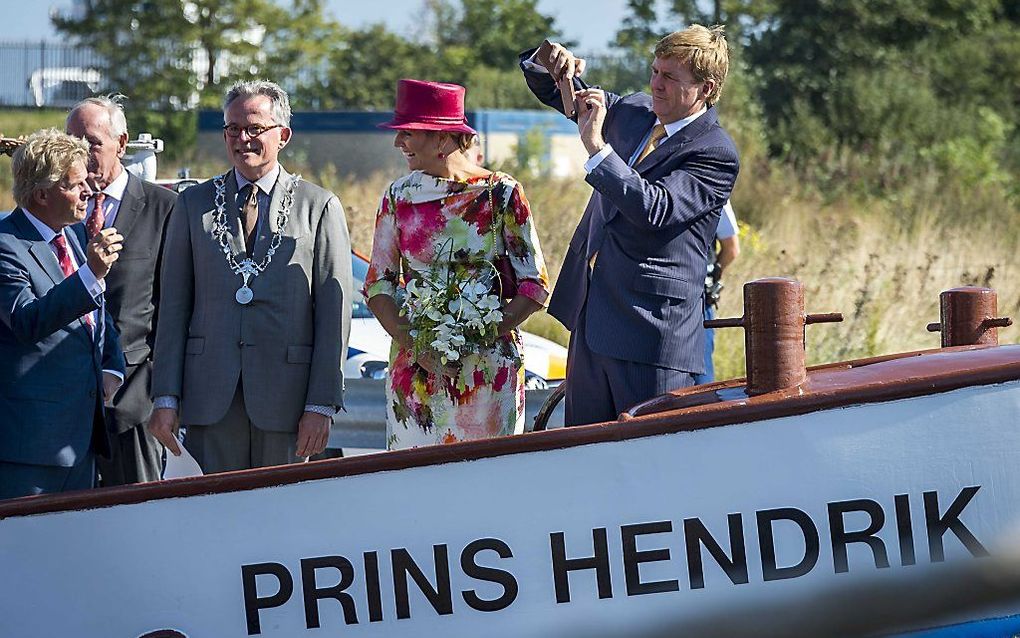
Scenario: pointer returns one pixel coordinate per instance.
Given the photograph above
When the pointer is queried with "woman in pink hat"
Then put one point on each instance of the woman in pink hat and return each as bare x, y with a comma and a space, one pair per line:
450, 220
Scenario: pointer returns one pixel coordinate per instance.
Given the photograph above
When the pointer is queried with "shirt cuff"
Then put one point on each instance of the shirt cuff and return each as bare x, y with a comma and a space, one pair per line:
117, 374
324, 410
166, 402
597, 158
96, 287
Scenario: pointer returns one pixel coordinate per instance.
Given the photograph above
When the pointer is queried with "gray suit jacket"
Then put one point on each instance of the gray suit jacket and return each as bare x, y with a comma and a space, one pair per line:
287, 346
50, 362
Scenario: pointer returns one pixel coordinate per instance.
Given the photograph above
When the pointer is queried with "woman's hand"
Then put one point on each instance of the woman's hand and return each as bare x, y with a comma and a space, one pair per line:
431, 363
515, 312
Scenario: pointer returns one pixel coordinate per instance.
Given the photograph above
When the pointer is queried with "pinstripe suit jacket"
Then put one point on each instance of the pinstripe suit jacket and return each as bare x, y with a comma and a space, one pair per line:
651, 226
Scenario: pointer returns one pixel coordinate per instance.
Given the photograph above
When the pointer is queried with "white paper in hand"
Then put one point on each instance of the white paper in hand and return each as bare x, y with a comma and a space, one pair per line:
181, 466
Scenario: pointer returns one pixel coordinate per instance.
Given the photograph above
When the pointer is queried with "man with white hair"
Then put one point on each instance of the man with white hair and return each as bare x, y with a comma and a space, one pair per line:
58, 346
255, 305
140, 210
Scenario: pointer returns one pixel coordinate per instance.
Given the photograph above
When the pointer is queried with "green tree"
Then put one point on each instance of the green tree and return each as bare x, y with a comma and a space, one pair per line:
166, 55
640, 30
885, 74
297, 54
365, 65
150, 61
493, 31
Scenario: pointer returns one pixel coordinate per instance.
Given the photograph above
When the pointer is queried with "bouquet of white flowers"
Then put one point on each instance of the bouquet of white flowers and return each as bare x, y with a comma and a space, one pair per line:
451, 311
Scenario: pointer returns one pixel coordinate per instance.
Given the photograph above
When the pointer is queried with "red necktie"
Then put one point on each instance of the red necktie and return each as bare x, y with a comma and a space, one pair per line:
98, 217
64, 259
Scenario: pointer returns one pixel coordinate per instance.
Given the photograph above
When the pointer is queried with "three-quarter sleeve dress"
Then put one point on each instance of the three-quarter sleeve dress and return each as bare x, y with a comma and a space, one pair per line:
427, 222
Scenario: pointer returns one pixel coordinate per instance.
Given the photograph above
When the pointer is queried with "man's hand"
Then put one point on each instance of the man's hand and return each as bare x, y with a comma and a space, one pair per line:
111, 383
559, 62
163, 425
312, 434
591, 115
103, 250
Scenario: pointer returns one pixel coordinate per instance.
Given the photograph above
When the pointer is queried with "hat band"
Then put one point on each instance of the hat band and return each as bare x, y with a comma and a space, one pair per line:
428, 119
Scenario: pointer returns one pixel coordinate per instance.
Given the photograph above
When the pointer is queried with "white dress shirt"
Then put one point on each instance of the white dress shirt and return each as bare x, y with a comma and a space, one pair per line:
671, 129
114, 192
265, 184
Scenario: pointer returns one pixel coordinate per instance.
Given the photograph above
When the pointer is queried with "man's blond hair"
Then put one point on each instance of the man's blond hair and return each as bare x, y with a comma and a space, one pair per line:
44, 160
703, 50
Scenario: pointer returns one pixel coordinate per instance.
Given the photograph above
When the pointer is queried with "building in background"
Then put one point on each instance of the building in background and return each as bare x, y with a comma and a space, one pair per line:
545, 142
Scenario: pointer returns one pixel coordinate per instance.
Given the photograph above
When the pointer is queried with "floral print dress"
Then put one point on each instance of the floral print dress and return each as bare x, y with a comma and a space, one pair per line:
425, 221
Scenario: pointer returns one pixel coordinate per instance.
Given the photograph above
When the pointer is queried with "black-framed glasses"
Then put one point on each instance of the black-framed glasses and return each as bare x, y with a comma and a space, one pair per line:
253, 130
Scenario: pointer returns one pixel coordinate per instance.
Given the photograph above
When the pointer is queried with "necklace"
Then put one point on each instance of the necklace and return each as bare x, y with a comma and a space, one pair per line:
248, 269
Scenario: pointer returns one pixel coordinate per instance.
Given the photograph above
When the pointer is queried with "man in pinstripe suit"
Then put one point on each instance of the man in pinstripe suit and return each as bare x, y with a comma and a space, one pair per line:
631, 286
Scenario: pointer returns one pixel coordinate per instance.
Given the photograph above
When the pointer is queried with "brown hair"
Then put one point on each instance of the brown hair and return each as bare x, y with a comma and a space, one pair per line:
703, 50
464, 141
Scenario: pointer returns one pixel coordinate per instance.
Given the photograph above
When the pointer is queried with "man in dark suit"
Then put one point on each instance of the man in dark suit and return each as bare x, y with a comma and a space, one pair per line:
631, 286
58, 347
140, 211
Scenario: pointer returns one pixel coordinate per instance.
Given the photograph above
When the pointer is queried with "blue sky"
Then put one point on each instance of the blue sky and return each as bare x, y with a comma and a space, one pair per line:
591, 23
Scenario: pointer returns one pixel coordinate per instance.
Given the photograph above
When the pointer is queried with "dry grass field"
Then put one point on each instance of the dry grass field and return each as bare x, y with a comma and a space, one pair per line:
881, 263
880, 260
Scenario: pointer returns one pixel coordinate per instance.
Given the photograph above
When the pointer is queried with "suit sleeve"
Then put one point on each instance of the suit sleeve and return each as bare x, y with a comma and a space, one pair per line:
700, 185
164, 206
332, 294
542, 86
31, 318
176, 299
113, 354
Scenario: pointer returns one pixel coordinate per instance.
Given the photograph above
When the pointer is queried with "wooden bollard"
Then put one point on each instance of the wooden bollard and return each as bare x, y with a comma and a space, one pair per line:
967, 317
773, 324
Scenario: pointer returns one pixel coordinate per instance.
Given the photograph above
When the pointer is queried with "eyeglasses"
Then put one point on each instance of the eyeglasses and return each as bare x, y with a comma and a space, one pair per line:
253, 130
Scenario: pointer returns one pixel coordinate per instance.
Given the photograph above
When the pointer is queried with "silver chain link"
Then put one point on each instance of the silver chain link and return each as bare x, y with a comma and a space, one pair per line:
248, 268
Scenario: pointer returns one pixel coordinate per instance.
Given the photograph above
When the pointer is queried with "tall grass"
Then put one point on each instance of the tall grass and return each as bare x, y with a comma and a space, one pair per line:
882, 262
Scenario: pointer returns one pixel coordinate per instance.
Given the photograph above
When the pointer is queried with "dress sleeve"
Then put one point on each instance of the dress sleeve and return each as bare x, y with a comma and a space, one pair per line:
383, 275
522, 247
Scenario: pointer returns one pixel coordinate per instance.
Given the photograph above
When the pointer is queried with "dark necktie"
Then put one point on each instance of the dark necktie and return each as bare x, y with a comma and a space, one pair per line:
249, 215
64, 259
98, 218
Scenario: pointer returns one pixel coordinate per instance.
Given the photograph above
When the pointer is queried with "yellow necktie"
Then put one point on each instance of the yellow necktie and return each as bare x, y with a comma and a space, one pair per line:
658, 134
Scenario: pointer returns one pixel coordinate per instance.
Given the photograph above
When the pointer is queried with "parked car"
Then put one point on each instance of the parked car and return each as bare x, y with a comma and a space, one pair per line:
63, 86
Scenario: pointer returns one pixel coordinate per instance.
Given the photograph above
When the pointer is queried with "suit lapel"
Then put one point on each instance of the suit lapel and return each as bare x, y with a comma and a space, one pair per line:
233, 214
675, 142
41, 251
130, 207
636, 133
74, 239
276, 198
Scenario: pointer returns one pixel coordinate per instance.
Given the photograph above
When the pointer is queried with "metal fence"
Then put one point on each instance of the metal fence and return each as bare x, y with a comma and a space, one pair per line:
46, 73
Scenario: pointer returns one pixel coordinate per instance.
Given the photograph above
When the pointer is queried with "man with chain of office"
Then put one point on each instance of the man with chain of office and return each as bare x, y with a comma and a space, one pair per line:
255, 302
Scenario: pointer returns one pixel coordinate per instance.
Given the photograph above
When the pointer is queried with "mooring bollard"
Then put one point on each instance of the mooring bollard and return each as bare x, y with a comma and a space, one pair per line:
967, 317
773, 324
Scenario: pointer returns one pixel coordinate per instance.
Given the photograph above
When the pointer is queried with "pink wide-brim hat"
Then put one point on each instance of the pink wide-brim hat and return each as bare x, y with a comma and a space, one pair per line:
429, 106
